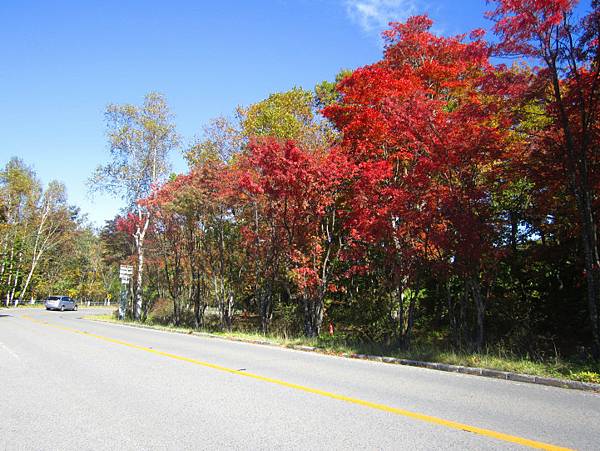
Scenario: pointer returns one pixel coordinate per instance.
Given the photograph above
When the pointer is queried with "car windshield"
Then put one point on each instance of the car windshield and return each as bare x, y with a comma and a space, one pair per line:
54, 298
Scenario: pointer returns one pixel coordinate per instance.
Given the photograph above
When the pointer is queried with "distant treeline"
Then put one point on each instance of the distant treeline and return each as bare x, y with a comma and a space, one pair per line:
45, 245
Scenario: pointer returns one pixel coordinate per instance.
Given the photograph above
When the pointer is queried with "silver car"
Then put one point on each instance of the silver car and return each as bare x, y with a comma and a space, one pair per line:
61, 303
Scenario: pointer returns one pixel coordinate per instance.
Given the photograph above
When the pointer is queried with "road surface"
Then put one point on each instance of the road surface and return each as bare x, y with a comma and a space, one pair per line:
70, 383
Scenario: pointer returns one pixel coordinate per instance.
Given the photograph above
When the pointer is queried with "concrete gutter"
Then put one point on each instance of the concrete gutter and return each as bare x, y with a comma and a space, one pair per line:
473, 371
484, 372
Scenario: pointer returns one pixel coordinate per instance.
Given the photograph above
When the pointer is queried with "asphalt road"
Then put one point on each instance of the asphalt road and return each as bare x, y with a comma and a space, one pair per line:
69, 383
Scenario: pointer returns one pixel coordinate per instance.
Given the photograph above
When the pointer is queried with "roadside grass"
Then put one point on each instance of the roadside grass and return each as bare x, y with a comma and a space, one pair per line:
340, 345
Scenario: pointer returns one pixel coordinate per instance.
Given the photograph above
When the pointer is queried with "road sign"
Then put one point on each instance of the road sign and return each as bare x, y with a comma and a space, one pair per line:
125, 273
126, 270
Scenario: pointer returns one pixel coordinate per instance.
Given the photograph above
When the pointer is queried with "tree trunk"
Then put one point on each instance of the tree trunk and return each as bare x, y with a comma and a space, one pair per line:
265, 304
475, 289
313, 316
266, 308
196, 289
199, 308
176, 313
400, 314
227, 312
137, 305
452, 316
406, 317
16, 281
592, 269
578, 177
514, 227
4, 255
28, 280
9, 278
411, 320
139, 244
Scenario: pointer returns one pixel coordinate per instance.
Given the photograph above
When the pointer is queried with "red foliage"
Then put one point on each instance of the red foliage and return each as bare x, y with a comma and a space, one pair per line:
294, 191
522, 23
128, 224
424, 140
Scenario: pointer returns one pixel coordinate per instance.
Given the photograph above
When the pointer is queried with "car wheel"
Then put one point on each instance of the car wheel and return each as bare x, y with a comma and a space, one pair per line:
75, 308
62, 308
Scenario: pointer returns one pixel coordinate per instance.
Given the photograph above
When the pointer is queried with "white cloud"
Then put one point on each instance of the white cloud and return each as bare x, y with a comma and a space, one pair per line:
374, 15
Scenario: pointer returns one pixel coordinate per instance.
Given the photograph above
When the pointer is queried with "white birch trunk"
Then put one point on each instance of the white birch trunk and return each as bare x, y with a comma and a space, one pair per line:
139, 244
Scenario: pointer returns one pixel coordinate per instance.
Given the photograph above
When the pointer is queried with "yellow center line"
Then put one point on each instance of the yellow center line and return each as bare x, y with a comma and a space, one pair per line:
372, 405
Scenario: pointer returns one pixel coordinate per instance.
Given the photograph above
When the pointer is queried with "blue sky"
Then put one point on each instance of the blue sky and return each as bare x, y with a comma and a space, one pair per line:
62, 62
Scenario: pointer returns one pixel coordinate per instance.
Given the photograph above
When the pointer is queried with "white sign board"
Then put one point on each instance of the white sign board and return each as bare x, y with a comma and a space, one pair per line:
125, 273
126, 269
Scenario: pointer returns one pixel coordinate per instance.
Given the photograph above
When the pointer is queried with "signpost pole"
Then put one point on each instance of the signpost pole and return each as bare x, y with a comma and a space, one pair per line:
123, 303
125, 272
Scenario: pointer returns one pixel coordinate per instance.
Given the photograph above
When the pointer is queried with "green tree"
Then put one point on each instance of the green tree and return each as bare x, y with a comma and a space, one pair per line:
222, 138
327, 93
288, 115
20, 191
51, 225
